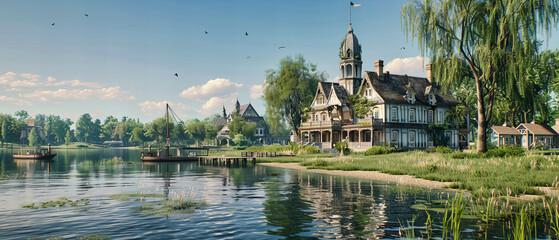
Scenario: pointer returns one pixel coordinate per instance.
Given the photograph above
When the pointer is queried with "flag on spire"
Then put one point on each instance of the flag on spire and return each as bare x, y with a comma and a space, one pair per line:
354, 5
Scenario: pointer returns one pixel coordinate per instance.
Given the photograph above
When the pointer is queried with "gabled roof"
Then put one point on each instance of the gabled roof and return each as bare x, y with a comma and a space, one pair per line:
393, 89
340, 93
244, 108
502, 130
538, 129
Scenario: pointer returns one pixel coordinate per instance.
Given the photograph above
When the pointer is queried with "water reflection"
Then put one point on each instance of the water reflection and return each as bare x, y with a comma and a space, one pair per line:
244, 201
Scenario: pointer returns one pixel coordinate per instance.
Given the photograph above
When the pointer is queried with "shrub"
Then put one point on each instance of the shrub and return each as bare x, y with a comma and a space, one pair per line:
431, 149
270, 148
309, 149
315, 163
294, 147
541, 146
82, 146
342, 147
462, 155
375, 150
441, 149
505, 151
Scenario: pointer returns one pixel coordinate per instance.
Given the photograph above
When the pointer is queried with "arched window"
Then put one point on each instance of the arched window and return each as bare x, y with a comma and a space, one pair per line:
342, 70
348, 53
356, 71
323, 116
394, 113
348, 71
412, 115
411, 138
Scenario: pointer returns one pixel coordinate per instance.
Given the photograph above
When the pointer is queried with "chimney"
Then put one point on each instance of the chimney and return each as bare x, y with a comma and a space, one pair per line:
379, 67
428, 70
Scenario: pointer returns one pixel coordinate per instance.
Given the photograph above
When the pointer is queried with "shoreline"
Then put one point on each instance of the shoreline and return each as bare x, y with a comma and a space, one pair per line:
404, 180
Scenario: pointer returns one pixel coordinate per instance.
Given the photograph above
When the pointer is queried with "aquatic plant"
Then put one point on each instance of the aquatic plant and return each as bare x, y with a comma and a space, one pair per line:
129, 196
181, 204
60, 202
93, 237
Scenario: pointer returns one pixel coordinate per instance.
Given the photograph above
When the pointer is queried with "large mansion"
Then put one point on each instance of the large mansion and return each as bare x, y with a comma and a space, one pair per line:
404, 108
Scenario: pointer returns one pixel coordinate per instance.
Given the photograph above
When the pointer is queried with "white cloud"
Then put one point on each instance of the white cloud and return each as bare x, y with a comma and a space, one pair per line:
212, 88
15, 101
73, 83
29, 80
256, 91
109, 93
216, 103
158, 108
413, 66
12, 90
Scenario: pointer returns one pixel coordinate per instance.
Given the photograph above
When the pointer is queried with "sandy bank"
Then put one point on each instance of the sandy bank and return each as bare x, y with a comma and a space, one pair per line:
397, 179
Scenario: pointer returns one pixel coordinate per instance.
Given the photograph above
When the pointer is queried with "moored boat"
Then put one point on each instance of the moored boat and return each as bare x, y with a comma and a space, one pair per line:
182, 153
40, 153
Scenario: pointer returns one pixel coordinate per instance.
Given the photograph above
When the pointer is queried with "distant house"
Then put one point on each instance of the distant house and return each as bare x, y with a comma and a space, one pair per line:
249, 114
505, 135
113, 143
527, 135
27, 129
533, 133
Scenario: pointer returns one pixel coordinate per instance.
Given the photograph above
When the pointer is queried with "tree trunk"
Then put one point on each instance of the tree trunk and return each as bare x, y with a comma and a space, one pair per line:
481, 121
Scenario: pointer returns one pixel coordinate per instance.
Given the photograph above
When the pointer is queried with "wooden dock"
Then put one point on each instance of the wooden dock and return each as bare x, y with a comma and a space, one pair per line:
222, 160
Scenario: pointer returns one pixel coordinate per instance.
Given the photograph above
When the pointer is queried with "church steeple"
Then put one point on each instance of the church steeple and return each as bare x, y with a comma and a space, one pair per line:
350, 64
237, 106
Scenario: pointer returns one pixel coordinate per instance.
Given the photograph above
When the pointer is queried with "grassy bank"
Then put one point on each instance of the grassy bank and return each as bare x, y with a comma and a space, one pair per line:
484, 177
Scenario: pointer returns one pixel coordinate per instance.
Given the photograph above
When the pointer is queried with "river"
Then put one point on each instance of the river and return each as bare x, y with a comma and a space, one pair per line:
234, 202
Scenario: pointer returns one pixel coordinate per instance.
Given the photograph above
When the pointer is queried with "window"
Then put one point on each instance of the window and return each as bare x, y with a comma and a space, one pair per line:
448, 136
315, 117
348, 71
440, 117
412, 115
394, 137
411, 138
410, 97
431, 99
394, 114
376, 113
320, 99
323, 116
430, 116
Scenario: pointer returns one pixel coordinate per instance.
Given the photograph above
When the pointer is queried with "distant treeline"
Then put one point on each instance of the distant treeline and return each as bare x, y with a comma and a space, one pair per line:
130, 131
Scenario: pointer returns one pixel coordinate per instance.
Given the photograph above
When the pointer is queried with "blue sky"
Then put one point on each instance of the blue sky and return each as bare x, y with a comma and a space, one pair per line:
120, 60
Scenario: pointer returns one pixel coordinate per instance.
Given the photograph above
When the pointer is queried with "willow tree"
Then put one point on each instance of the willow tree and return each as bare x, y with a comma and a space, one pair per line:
491, 42
289, 89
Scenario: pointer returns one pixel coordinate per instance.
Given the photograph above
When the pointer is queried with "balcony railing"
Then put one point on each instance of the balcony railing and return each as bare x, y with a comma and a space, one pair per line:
321, 124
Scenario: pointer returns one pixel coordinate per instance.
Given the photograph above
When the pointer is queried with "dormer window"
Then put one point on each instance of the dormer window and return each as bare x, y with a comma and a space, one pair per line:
320, 99
431, 99
411, 97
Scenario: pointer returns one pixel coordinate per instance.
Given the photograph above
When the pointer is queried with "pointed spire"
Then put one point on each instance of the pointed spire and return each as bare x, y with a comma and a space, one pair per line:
350, 29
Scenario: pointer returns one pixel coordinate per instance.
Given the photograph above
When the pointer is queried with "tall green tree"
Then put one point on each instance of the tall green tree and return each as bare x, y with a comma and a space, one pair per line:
491, 42
22, 115
33, 138
68, 138
289, 89
84, 127
198, 130
4, 132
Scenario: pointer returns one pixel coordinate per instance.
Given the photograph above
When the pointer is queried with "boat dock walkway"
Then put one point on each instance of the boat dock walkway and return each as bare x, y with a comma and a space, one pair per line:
219, 160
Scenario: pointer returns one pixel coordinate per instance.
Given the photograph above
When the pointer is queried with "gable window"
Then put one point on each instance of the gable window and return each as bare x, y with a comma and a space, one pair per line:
430, 116
394, 113
410, 97
431, 99
320, 99
412, 115
394, 137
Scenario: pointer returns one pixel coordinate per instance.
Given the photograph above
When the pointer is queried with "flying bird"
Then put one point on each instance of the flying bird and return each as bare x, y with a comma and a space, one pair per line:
248, 57
85, 14
206, 32
403, 48
176, 75
281, 47
52, 24
246, 33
